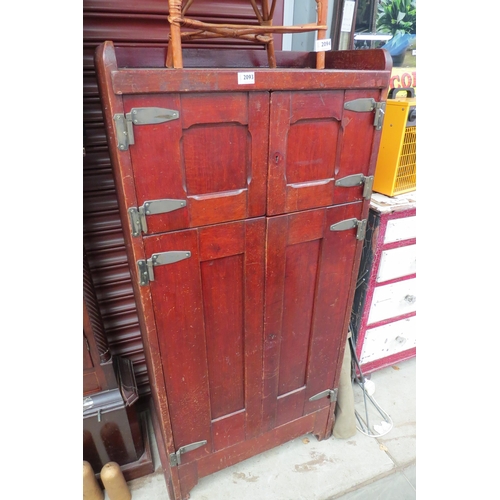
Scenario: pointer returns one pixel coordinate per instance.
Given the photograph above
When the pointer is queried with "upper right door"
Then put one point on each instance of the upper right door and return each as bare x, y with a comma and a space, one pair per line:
320, 150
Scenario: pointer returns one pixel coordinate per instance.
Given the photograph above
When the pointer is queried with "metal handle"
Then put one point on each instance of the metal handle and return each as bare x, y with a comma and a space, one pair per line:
410, 92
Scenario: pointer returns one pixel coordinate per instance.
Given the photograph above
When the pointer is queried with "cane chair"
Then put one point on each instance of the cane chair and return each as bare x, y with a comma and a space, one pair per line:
263, 33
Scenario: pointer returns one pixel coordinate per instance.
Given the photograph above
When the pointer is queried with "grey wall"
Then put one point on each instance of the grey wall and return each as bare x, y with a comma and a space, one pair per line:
305, 12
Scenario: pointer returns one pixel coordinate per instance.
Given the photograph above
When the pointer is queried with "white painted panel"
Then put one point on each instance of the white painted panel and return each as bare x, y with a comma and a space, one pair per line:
389, 339
393, 300
401, 229
397, 262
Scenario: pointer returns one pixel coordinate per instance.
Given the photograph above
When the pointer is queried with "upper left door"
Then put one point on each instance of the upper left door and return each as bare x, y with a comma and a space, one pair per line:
209, 162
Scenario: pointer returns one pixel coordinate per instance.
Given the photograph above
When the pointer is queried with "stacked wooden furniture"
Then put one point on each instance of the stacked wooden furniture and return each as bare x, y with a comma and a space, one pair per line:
385, 303
246, 205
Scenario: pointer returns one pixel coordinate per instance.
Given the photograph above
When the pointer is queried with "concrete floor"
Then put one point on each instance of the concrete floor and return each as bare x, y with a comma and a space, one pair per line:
358, 468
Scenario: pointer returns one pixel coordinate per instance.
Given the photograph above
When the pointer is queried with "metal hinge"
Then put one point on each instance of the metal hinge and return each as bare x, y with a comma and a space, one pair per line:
350, 224
175, 458
366, 104
152, 207
332, 393
357, 180
146, 273
139, 116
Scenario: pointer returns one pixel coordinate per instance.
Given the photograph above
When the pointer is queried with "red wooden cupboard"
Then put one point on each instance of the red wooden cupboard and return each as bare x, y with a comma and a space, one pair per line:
139, 24
246, 208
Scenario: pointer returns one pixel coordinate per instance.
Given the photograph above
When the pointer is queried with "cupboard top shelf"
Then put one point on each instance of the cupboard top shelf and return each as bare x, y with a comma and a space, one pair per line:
142, 70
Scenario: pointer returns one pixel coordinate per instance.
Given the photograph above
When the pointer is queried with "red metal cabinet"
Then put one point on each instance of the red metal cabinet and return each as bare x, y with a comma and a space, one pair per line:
244, 266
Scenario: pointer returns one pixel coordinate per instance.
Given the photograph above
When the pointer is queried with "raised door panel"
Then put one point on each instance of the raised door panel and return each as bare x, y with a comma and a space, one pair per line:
309, 269
209, 317
213, 157
314, 142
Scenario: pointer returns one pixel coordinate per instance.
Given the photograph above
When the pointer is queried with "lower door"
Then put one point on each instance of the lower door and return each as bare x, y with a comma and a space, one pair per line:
250, 321
309, 272
208, 307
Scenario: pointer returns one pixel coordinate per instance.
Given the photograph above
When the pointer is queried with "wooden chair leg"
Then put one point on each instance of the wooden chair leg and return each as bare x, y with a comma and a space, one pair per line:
271, 57
267, 20
270, 54
174, 45
169, 62
322, 20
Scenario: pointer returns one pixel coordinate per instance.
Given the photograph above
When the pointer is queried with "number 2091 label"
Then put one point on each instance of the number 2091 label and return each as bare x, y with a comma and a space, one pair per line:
246, 77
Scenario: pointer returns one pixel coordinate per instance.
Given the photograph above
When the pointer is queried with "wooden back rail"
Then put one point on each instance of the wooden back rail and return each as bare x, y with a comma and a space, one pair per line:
263, 33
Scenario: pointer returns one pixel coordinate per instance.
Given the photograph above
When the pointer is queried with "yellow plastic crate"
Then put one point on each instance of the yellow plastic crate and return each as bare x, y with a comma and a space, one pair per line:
396, 170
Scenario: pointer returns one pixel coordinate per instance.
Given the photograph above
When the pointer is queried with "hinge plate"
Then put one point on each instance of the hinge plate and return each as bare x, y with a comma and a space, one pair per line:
138, 215
351, 224
357, 180
175, 458
366, 104
145, 267
332, 394
139, 116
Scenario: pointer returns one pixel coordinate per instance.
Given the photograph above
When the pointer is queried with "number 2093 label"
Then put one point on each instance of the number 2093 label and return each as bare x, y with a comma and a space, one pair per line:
246, 77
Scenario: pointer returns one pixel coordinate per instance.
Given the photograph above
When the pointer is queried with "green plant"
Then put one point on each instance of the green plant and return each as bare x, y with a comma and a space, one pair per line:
397, 17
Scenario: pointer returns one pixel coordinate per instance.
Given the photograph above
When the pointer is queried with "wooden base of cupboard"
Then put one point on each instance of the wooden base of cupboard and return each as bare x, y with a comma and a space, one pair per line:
245, 206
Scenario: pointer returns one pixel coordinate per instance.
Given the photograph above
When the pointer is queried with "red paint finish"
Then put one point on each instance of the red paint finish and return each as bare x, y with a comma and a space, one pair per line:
301, 270
214, 157
136, 24
245, 331
308, 277
389, 360
314, 144
204, 309
222, 282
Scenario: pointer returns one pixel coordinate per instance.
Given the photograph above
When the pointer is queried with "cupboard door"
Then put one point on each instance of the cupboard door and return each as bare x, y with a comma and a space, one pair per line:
213, 157
209, 316
309, 269
315, 142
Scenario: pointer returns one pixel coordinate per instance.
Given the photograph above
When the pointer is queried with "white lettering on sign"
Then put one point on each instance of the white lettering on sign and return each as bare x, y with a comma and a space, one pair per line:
246, 77
323, 45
